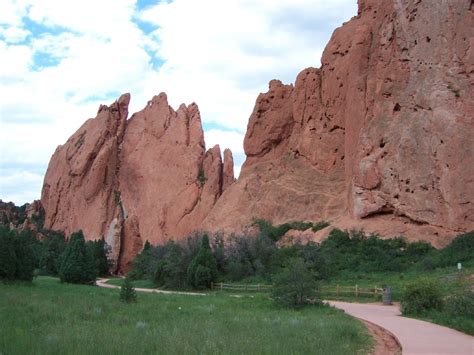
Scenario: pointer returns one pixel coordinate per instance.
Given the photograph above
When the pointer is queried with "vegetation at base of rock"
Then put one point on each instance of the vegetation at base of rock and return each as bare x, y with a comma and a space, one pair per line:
295, 285
72, 319
127, 292
242, 257
77, 263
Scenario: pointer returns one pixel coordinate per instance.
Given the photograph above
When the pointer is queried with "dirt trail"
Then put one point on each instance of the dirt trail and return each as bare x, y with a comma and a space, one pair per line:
103, 283
415, 336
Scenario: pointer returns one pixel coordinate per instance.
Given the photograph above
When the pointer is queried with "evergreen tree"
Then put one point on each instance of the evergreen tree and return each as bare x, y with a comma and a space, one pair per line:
53, 248
203, 268
25, 258
127, 292
99, 252
144, 265
7, 254
295, 286
77, 263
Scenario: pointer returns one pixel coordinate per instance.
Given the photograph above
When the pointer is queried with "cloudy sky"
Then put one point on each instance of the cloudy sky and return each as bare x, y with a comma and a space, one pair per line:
60, 59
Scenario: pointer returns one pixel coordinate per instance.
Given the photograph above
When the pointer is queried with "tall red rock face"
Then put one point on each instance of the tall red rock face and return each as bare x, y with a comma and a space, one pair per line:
380, 137
146, 178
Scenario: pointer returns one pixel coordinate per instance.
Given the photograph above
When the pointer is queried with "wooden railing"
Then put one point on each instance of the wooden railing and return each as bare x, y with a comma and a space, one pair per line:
240, 287
337, 290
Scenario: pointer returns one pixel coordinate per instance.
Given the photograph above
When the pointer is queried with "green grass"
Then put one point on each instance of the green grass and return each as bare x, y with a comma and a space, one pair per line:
461, 323
137, 283
48, 317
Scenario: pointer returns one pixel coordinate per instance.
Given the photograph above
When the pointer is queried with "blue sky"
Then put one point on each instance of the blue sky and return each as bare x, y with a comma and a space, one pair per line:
59, 60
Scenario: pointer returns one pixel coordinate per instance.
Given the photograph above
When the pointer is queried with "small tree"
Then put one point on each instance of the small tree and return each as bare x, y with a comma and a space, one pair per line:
203, 268
77, 263
295, 286
127, 292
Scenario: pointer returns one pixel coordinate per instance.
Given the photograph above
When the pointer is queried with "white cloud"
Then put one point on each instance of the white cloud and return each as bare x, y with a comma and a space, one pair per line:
219, 54
14, 34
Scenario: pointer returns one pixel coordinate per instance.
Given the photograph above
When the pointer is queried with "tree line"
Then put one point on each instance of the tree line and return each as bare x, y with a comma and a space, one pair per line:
22, 256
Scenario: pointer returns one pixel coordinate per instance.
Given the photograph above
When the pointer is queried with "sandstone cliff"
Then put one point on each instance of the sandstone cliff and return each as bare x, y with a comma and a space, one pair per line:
146, 178
380, 137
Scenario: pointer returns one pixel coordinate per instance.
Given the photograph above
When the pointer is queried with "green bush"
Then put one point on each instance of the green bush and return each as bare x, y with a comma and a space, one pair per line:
295, 285
460, 304
127, 292
421, 296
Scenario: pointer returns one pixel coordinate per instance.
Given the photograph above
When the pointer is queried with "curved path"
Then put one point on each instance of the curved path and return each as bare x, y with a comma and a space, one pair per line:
415, 336
103, 283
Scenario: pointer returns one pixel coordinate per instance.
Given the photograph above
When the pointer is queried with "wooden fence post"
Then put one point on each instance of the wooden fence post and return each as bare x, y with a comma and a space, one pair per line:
357, 291
337, 290
222, 286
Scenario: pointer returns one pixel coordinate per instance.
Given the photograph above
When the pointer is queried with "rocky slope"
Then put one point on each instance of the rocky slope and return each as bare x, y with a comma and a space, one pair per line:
146, 178
380, 137
377, 138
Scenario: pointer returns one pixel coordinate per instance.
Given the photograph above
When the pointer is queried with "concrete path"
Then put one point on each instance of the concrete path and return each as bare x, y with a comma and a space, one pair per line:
415, 336
103, 283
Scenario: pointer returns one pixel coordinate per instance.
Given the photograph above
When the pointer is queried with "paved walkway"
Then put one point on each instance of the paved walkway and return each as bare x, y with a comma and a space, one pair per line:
415, 336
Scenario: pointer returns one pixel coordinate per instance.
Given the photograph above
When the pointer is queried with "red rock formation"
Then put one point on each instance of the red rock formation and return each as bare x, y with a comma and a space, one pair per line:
378, 138
148, 178
382, 132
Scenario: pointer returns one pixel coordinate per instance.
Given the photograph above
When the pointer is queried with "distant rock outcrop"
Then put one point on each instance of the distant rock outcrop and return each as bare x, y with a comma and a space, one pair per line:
379, 138
146, 178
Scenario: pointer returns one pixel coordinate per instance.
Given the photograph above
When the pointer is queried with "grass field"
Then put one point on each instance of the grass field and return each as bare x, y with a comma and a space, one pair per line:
54, 318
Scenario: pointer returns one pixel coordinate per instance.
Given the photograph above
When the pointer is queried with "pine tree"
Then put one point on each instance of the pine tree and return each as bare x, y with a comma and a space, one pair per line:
7, 255
53, 248
77, 263
203, 268
25, 258
127, 292
99, 252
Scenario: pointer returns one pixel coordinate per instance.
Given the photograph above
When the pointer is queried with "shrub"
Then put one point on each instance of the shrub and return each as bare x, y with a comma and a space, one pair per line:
295, 286
461, 304
77, 263
127, 292
421, 296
